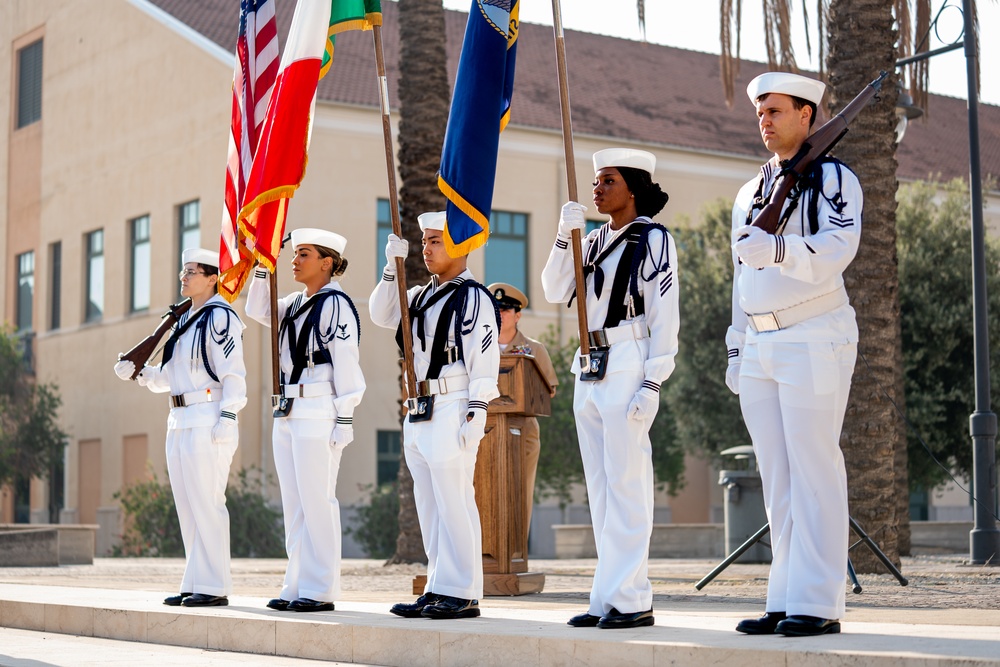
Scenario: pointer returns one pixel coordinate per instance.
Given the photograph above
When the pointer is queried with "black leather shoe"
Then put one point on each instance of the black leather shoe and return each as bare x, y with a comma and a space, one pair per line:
278, 604
764, 625
584, 620
175, 600
449, 607
202, 600
413, 609
807, 626
614, 619
305, 604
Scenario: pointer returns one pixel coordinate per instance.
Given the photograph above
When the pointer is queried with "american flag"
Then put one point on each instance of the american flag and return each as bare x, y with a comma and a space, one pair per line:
253, 81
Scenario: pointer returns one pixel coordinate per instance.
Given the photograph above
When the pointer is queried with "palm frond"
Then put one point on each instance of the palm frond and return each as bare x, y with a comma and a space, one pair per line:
641, 8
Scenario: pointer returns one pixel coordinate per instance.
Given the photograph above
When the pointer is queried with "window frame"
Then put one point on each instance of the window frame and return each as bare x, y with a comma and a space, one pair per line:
26, 117
524, 239
20, 260
90, 255
135, 244
55, 285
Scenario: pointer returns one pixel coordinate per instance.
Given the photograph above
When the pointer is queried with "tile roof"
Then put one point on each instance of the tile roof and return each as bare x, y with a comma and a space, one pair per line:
611, 93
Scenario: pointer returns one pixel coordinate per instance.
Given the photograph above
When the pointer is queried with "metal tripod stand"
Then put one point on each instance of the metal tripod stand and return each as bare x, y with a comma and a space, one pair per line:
856, 588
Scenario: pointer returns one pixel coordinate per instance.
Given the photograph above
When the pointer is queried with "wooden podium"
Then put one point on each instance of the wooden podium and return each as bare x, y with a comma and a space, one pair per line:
499, 480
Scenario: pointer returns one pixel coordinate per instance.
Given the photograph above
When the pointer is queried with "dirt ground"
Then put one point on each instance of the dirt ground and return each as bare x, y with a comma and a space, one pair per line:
940, 582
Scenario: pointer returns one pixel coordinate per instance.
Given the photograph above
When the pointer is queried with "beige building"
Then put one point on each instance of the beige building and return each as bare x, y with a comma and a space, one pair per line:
113, 162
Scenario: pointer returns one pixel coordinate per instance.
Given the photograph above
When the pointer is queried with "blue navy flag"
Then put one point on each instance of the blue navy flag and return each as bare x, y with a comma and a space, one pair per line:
480, 109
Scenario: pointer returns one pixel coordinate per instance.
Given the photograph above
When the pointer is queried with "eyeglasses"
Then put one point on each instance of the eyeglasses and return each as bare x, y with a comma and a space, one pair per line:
188, 273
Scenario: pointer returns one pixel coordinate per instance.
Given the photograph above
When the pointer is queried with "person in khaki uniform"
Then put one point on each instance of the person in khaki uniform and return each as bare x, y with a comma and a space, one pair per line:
511, 301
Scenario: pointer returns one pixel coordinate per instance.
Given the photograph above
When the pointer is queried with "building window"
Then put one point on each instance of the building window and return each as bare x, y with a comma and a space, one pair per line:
383, 226
388, 444
95, 275
25, 289
29, 84
140, 284
189, 226
55, 284
592, 225
507, 250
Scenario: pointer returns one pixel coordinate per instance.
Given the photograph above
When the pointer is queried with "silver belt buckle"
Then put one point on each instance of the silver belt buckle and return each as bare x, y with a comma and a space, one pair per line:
598, 338
765, 322
423, 388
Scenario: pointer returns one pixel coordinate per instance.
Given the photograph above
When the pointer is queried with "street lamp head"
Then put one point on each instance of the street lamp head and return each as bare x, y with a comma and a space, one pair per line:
905, 112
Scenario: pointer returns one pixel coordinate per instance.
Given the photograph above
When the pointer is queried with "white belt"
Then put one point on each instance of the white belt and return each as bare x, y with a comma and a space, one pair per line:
786, 317
443, 385
636, 330
190, 398
310, 390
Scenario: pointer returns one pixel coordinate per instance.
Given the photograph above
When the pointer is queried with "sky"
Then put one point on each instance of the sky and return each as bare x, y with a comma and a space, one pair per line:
694, 25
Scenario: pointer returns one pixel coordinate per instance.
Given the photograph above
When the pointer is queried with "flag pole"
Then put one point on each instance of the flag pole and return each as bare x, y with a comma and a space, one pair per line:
272, 281
567, 134
397, 229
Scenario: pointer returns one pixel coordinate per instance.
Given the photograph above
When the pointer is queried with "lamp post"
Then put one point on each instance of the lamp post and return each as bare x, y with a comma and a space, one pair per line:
984, 539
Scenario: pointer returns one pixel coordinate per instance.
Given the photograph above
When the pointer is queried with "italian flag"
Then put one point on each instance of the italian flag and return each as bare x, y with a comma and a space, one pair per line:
282, 152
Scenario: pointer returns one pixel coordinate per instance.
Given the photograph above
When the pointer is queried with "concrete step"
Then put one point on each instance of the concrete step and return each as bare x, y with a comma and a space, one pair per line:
525, 631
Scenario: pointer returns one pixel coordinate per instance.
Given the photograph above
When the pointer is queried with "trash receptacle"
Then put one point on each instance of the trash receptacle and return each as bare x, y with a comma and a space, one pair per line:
743, 506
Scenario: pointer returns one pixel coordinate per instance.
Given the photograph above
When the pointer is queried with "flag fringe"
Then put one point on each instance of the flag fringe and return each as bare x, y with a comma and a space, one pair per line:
370, 20
473, 242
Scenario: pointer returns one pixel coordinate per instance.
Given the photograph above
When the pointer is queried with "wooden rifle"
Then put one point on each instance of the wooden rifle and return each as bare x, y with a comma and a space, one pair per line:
141, 353
816, 146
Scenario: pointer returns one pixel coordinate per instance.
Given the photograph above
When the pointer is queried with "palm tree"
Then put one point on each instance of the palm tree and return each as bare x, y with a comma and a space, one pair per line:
423, 111
861, 37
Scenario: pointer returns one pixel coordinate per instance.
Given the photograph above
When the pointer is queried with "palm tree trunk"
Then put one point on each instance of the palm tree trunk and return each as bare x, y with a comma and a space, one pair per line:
861, 39
423, 111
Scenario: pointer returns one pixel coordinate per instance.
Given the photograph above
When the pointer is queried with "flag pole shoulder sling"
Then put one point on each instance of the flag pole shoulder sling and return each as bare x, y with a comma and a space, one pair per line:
397, 229
567, 134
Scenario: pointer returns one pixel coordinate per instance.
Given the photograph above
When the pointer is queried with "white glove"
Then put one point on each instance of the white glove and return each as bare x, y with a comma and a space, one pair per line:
342, 436
572, 218
759, 249
473, 430
225, 432
124, 369
144, 376
395, 247
645, 402
733, 377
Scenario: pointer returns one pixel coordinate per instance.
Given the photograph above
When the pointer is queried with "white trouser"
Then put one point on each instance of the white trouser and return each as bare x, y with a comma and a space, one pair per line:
307, 468
199, 471
793, 397
617, 460
442, 474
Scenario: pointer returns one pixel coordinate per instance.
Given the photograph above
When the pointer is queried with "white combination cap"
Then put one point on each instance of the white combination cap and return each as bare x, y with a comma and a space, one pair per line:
312, 236
625, 157
200, 256
432, 220
786, 83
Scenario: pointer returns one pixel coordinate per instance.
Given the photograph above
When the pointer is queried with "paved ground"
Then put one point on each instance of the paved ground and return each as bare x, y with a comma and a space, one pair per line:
24, 648
952, 607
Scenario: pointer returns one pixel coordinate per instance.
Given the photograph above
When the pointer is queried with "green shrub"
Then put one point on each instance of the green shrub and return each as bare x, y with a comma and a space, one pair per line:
378, 521
255, 527
152, 529
151, 526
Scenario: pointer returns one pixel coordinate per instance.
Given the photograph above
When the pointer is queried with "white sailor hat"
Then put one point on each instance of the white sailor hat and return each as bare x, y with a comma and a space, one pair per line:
786, 83
432, 220
321, 237
625, 157
200, 256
